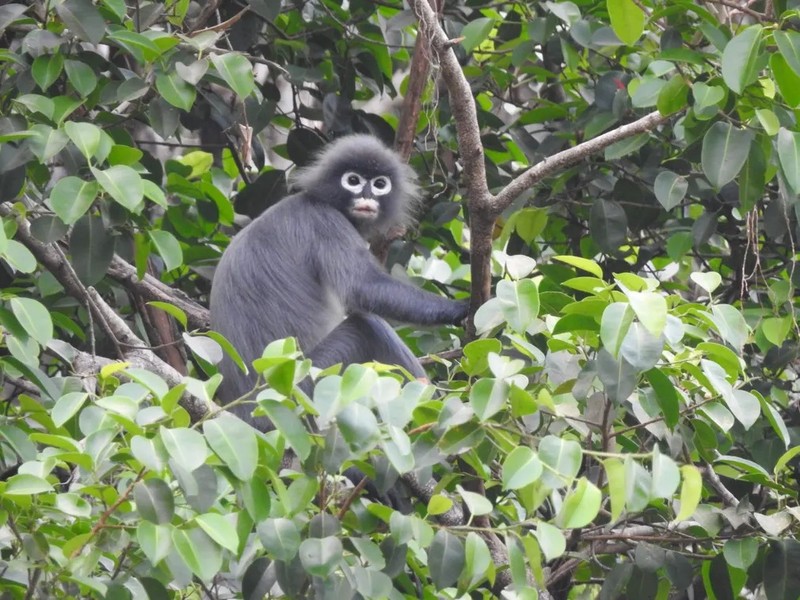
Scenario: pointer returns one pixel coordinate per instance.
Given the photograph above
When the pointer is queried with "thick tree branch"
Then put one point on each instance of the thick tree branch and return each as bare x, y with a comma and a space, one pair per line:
484, 208
569, 157
131, 348
152, 289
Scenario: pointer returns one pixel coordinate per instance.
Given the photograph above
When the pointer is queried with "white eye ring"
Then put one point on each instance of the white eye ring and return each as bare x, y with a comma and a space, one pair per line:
381, 185
353, 182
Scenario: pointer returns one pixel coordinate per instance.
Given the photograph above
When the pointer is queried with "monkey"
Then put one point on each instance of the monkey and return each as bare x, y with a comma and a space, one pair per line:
303, 268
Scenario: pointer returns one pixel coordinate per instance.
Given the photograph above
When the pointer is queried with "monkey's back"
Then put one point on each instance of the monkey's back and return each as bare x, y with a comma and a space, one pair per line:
267, 286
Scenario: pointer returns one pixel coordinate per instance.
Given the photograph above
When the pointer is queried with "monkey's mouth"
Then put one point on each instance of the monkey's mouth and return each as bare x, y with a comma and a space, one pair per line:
365, 208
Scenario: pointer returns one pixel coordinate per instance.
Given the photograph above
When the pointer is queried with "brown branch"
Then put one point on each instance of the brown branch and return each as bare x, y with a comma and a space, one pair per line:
152, 289
569, 157
129, 346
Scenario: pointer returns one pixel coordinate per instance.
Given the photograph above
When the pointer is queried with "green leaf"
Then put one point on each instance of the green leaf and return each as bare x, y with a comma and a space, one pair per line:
168, 248
562, 459
219, 529
670, 189
551, 540
172, 310
185, 446
71, 197
321, 556
608, 224
666, 395
584, 264
519, 301
92, 249
85, 136
725, 149
198, 552
520, 468
67, 406
280, 538
666, 476
46, 69
290, 426
740, 554
142, 48
234, 441
154, 540
740, 59
475, 32
236, 71
124, 185
24, 484
691, 491
154, 501
446, 558
650, 309
81, 76
581, 505
615, 475
627, 20
34, 318
780, 573
614, 324
487, 397
674, 96
789, 155
83, 19
176, 91
47, 142
789, 47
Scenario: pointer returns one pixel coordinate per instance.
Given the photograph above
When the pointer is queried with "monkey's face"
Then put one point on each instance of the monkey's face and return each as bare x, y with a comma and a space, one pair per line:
365, 196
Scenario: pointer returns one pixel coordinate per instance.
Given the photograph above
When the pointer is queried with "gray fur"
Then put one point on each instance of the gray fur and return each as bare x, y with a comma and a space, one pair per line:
302, 266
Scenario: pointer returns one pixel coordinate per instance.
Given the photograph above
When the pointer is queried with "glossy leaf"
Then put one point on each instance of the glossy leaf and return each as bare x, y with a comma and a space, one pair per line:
725, 149
446, 559
236, 71
71, 197
740, 59
234, 442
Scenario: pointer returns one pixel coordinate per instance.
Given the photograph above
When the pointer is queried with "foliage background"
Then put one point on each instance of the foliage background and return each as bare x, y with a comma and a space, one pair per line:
620, 177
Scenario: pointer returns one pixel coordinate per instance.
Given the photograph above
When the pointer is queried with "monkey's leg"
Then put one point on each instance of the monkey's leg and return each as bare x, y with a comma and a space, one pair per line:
364, 338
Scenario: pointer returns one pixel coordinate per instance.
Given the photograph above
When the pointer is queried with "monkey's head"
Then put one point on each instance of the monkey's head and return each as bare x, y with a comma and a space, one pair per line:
363, 179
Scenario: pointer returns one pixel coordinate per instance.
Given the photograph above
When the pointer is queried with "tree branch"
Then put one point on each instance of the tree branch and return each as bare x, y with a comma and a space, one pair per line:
152, 289
569, 157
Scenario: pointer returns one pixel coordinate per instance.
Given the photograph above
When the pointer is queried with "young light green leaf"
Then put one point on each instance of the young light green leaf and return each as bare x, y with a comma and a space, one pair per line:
581, 505
627, 20
475, 32
46, 68
691, 490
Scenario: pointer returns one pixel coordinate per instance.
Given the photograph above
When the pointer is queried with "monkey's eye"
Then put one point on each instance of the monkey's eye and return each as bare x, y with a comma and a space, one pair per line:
381, 185
353, 182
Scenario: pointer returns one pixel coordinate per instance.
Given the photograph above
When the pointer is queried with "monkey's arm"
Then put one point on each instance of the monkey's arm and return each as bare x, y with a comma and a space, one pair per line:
347, 267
